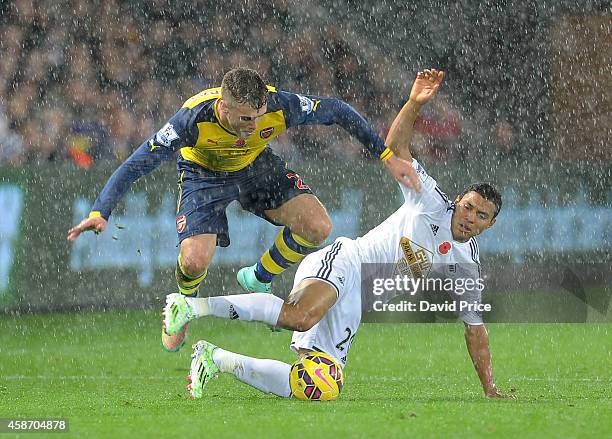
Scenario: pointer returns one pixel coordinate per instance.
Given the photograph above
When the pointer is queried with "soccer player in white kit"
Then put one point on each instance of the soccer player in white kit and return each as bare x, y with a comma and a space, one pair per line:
324, 307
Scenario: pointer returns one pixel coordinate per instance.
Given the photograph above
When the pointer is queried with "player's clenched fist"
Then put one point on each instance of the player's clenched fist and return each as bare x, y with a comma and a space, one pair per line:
97, 224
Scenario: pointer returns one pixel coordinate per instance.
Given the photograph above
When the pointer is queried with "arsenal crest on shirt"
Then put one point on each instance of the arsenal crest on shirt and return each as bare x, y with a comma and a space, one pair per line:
266, 132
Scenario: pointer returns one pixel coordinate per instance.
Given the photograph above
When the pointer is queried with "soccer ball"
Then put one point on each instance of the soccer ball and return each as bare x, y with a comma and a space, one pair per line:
316, 377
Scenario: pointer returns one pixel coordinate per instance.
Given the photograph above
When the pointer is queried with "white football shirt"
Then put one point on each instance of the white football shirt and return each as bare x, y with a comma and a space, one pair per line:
417, 238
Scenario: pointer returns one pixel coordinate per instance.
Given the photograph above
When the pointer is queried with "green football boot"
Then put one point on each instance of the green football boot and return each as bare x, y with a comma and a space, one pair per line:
202, 369
177, 313
247, 280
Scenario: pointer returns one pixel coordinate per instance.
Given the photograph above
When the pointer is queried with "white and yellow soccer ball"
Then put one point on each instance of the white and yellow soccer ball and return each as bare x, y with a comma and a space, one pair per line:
316, 377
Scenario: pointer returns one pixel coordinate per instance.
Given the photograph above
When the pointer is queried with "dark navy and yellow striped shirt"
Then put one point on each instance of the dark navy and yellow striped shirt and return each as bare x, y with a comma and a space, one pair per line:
195, 131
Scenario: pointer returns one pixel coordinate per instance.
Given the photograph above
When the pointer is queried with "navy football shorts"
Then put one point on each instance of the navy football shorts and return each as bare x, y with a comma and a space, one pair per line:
204, 195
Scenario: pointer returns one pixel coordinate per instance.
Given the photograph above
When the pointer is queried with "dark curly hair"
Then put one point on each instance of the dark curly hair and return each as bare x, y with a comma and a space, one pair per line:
486, 191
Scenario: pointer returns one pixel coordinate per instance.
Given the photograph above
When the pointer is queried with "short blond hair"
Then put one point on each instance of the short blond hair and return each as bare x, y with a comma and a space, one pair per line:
244, 86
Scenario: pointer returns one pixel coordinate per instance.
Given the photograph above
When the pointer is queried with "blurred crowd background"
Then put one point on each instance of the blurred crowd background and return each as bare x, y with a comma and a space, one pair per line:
88, 81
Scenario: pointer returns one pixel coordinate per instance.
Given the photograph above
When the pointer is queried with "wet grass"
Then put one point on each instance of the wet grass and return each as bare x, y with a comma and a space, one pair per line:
107, 374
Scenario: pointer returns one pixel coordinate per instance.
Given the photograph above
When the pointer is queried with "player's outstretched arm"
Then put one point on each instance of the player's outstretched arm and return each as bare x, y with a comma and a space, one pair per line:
308, 110
477, 341
180, 131
423, 90
141, 162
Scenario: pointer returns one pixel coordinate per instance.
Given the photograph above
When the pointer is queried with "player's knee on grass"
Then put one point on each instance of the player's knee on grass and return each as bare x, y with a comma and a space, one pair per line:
307, 305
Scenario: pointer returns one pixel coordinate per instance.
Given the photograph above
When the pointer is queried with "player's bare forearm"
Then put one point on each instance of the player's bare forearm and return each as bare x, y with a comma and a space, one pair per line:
400, 133
423, 90
477, 341
398, 140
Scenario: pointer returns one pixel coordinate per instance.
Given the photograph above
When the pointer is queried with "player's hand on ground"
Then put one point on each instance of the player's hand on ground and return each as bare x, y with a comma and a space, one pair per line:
425, 85
403, 171
493, 393
97, 224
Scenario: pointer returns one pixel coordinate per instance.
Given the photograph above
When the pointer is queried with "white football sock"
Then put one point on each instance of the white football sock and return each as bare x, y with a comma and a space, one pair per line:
269, 376
199, 305
261, 307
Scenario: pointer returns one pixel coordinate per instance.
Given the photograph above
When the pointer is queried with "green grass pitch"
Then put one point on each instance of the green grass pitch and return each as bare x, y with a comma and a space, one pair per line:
106, 373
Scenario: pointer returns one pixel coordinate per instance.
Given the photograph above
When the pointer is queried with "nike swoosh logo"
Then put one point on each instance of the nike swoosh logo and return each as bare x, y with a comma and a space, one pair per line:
319, 373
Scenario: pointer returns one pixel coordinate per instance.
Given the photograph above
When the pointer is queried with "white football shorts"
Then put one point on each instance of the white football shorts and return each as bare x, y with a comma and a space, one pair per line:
339, 265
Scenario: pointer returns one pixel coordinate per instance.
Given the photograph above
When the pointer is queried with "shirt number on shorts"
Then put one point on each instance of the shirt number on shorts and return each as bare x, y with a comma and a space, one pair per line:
349, 339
